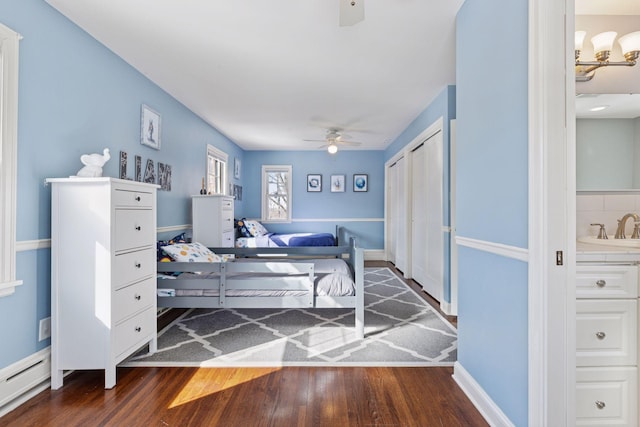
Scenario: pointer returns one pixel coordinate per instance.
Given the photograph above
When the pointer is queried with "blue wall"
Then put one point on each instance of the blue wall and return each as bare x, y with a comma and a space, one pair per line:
359, 212
492, 192
77, 97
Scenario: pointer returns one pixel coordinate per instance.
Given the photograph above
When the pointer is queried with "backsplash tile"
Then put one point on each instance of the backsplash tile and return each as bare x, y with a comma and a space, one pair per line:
604, 209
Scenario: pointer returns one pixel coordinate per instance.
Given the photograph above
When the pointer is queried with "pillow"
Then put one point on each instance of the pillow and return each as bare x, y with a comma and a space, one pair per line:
255, 228
240, 225
191, 252
180, 238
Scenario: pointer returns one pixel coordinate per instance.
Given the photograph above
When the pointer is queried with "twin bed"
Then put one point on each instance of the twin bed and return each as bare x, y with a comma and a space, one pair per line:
271, 277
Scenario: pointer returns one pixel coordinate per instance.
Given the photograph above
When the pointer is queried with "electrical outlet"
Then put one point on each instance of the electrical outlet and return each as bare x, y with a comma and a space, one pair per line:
45, 329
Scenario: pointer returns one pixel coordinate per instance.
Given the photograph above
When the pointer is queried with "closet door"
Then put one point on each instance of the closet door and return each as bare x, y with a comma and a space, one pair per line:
392, 213
434, 243
401, 216
419, 191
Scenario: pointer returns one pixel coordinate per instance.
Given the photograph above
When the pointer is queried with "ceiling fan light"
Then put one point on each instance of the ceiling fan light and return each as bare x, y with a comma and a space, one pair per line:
603, 42
332, 148
579, 39
630, 43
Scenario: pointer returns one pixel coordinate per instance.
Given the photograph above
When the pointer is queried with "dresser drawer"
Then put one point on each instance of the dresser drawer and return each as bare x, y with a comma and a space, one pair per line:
126, 198
132, 266
606, 281
606, 396
134, 298
227, 205
606, 332
134, 228
135, 331
227, 239
226, 221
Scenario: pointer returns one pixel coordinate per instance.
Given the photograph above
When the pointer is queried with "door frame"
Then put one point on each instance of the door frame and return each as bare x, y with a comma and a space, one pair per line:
552, 219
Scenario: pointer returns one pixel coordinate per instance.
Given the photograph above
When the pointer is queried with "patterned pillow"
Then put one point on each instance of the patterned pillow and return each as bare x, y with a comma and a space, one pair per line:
180, 238
255, 228
240, 225
191, 252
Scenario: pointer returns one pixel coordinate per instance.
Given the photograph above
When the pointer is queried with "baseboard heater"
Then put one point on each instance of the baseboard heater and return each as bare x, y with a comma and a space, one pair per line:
24, 379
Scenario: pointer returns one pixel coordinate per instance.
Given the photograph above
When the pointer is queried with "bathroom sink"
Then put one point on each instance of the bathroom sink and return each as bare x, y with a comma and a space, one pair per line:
626, 243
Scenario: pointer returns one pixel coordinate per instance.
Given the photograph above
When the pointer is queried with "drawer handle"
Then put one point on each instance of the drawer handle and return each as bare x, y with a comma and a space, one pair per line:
138, 198
138, 228
138, 265
601, 283
138, 329
137, 297
600, 404
600, 335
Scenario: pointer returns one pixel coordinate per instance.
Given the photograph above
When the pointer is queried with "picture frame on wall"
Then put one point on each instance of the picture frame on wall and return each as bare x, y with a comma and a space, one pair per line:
314, 183
236, 168
337, 183
150, 127
360, 182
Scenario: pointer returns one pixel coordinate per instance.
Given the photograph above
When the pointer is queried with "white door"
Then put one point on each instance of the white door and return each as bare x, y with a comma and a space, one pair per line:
401, 216
434, 241
418, 215
392, 213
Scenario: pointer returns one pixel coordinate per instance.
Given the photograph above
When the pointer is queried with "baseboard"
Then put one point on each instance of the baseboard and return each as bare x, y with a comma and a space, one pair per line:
480, 399
374, 255
447, 309
24, 379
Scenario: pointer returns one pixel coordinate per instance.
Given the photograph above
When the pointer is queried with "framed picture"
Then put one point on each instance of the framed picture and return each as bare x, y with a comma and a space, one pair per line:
360, 182
236, 168
314, 182
337, 183
150, 127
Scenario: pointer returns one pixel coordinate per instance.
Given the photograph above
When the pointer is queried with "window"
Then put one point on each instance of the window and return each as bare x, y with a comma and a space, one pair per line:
8, 158
216, 170
276, 193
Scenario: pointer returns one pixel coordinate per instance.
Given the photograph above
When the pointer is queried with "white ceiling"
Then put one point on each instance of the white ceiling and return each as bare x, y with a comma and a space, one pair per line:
270, 74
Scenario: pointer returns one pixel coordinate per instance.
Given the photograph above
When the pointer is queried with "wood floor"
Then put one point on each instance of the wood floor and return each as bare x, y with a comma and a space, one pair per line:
290, 396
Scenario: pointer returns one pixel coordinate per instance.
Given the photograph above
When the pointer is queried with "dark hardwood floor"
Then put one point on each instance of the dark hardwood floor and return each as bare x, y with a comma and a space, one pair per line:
290, 396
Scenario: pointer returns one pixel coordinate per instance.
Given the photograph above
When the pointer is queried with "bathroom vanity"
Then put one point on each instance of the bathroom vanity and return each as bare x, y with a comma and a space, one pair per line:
607, 335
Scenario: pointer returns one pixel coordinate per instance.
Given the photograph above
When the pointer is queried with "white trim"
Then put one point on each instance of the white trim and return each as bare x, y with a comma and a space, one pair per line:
32, 245
223, 158
374, 254
480, 399
338, 220
24, 379
9, 60
551, 297
514, 252
453, 247
174, 228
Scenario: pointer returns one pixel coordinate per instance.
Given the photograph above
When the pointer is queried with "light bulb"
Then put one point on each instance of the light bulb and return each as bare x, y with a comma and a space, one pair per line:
579, 39
332, 149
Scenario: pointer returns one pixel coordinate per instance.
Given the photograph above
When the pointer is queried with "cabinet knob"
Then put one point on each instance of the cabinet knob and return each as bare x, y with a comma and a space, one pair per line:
600, 404
138, 265
138, 198
600, 335
138, 328
138, 228
601, 283
137, 297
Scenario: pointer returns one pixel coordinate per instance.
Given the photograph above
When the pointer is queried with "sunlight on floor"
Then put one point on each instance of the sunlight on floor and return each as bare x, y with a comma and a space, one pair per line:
201, 385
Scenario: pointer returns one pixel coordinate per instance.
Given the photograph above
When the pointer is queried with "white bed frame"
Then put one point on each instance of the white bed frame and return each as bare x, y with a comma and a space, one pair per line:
266, 273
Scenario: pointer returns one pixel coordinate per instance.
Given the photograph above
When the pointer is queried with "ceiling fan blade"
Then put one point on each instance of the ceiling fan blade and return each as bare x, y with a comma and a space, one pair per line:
315, 140
352, 143
351, 12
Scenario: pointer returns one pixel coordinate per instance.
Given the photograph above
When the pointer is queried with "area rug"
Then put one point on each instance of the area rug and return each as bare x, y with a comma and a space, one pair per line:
401, 329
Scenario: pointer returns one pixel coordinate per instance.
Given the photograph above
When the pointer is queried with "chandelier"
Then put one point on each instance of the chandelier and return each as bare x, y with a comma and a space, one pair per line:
602, 45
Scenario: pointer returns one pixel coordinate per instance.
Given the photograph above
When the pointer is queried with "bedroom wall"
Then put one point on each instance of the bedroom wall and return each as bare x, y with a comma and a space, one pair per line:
359, 212
492, 200
77, 97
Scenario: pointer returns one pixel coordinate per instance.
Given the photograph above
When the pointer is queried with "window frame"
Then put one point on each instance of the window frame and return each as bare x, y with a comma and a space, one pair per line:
223, 158
266, 169
9, 59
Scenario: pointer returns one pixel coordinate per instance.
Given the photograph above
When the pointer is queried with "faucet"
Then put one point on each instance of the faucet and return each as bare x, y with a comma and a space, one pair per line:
621, 224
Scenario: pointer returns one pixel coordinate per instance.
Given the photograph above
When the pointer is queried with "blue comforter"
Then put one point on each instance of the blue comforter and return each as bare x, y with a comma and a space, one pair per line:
295, 239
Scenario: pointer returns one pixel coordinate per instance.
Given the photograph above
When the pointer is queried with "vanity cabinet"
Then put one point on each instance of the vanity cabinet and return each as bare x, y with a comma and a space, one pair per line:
606, 344
212, 218
103, 273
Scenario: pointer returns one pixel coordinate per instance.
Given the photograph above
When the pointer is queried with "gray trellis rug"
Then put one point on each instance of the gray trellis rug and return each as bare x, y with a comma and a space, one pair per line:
401, 329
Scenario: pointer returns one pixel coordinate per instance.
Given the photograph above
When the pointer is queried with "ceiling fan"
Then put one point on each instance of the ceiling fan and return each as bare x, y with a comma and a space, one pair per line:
332, 140
351, 12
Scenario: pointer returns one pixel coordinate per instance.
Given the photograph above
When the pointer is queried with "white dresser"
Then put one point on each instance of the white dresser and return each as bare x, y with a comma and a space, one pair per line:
212, 218
607, 343
103, 273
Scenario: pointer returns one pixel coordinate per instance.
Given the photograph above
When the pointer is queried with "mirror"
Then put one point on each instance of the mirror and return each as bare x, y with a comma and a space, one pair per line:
607, 142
